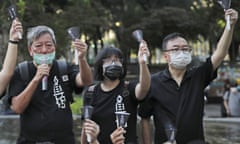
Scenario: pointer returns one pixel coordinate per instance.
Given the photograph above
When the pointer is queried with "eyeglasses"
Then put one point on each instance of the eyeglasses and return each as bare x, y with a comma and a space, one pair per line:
177, 49
110, 60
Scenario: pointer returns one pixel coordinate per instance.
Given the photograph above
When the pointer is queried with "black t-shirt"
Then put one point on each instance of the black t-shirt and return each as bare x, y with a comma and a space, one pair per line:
179, 107
104, 104
48, 115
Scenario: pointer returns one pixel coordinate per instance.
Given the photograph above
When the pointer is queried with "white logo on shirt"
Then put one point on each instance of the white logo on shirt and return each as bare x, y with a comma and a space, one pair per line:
65, 78
59, 94
119, 104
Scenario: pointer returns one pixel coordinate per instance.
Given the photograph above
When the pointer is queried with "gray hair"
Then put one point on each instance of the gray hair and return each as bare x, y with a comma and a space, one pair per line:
35, 32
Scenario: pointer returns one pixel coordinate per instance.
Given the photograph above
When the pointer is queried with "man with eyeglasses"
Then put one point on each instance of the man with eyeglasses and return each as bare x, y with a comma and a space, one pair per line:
176, 98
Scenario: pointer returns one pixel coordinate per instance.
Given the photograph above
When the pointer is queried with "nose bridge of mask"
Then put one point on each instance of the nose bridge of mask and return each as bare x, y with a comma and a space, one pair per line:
181, 54
116, 62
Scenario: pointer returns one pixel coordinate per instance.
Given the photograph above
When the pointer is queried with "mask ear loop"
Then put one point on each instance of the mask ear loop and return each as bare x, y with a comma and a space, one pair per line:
122, 71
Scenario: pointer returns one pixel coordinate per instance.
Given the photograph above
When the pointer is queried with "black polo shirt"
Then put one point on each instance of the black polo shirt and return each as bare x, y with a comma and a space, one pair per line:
179, 107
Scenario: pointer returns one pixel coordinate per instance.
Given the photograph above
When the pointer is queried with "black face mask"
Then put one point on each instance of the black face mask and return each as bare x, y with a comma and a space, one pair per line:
113, 72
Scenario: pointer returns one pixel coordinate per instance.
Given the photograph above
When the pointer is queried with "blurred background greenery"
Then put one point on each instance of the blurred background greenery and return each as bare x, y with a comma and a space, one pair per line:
111, 22
77, 105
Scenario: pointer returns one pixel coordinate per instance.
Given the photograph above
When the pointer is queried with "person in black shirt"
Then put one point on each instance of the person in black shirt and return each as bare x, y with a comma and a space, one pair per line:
176, 98
45, 114
113, 94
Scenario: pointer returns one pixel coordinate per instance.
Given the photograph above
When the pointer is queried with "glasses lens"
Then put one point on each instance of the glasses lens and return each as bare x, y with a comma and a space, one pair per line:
176, 49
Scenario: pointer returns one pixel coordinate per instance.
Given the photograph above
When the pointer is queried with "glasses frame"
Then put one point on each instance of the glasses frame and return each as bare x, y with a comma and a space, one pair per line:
185, 49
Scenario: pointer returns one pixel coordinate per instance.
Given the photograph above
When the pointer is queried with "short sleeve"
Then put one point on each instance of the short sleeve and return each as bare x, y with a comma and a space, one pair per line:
74, 70
145, 109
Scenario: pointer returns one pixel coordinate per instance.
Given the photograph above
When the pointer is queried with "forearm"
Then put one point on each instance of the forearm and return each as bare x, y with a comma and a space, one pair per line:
225, 103
144, 81
146, 131
21, 101
10, 59
85, 75
225, 40
8, 66
94, 142
224, 43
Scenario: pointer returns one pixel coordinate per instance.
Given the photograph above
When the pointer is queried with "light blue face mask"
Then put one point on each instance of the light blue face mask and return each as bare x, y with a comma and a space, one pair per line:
43, 58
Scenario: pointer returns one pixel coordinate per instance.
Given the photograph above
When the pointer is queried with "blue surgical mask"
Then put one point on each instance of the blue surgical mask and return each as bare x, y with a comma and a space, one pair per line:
43, 58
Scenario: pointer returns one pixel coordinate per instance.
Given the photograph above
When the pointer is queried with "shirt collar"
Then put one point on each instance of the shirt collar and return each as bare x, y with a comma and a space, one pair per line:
167, 75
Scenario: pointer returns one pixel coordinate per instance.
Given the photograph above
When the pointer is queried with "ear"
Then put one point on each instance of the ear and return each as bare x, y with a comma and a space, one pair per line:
166, 56
30, 51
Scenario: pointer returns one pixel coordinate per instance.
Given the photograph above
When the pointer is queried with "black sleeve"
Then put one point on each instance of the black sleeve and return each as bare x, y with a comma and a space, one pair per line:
89, 93
210, 73
132, 87
145, 109
74, 70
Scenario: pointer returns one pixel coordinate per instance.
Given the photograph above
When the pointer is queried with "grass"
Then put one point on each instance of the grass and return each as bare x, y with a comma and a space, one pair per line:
77, 105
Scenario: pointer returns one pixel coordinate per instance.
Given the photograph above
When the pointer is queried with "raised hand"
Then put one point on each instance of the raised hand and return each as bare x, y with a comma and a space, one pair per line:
81, 48
233, 15
16, 28
143, 52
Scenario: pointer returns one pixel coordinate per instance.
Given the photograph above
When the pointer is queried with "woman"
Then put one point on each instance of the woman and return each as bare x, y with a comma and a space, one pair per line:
113, 94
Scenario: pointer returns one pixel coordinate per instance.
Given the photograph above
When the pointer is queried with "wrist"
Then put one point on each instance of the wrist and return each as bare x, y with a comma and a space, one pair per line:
94, 142
82, 58
143, 63
13, 41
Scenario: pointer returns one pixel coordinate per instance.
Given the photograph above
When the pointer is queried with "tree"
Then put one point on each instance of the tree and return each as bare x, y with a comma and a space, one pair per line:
156, 19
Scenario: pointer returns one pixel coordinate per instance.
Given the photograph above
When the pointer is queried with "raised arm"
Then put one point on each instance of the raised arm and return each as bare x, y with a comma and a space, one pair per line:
225, 40
11, 55
143, 86
84, 76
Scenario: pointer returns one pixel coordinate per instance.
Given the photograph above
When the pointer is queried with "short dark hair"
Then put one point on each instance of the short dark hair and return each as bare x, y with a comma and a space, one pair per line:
104, 53
169, 37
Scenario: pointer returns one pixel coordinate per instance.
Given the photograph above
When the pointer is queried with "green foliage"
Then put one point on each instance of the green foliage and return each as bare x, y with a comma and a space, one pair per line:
77, 105
21, 4
156, 18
